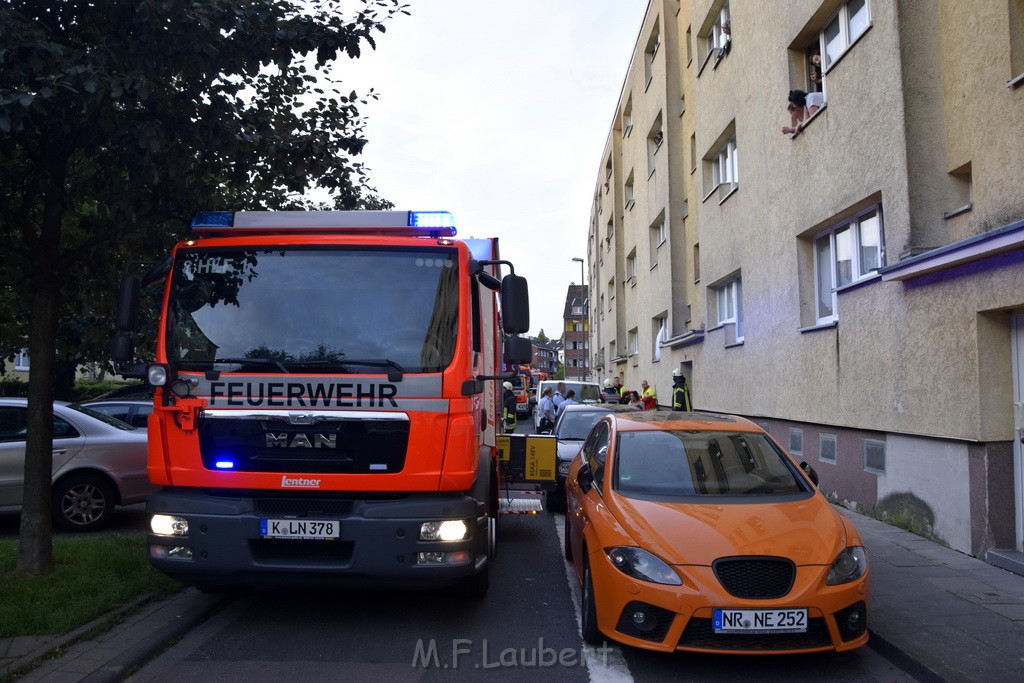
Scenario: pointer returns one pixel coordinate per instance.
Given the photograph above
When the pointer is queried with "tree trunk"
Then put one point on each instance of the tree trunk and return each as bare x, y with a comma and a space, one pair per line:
35, 547
35, 550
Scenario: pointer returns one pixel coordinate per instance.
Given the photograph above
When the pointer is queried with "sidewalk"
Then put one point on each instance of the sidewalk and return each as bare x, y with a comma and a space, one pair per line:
937, 614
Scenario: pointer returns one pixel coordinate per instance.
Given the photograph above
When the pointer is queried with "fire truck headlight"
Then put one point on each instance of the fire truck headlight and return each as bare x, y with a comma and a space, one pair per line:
447, 530
156, 375
167, 525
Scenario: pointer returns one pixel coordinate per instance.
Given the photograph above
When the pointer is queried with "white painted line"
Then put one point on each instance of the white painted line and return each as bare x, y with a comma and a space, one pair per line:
605, 663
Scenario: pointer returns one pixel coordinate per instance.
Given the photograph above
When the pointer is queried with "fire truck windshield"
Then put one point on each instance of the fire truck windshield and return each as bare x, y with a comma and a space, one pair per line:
313, 309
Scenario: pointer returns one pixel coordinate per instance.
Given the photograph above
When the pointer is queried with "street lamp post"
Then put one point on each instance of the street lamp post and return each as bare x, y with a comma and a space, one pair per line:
586, 317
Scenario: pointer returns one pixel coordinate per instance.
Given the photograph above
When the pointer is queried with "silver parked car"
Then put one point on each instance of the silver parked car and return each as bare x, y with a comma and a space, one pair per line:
98, 463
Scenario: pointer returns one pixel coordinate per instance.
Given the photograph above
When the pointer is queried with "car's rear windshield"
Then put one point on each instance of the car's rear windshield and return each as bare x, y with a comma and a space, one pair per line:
576, 424
102, 417
700, 463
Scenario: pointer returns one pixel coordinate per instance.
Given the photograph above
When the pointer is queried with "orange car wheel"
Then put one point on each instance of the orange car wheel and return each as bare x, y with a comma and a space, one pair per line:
591, 634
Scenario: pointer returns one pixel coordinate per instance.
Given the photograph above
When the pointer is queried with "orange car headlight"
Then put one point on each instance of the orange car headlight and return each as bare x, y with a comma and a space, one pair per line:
640, 564
849, 566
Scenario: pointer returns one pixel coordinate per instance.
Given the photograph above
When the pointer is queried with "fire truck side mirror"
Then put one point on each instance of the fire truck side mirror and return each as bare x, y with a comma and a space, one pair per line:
518, 350
515, 306
122, 349
128, 304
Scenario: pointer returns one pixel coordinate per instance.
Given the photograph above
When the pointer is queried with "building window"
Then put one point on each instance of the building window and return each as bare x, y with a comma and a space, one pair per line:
609, 233
693, 153
627, 117
689, 45
717, 37
657, 237
611, 292
721, 166
634, 342
729, 307
1016, 42
21, 363
631, 267
827, 448
844, 28
844, 254
653, 43
628, 191
655, 137
796, 441
696, 263
659, 333
874, 456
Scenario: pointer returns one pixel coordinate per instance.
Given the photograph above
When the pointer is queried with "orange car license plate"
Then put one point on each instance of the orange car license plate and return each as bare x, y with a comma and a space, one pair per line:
760, 621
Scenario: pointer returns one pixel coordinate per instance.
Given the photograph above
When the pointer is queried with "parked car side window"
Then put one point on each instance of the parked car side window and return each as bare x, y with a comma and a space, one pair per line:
63, 429
597, 453
12, 423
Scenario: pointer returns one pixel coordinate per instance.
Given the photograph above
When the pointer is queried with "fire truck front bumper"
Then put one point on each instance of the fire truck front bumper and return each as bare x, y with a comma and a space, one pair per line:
253, 539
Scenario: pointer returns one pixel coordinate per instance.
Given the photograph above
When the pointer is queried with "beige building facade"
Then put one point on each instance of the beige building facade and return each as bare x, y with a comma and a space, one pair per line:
857, 288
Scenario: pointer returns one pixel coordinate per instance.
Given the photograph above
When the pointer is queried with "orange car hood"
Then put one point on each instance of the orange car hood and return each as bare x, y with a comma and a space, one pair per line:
807, 531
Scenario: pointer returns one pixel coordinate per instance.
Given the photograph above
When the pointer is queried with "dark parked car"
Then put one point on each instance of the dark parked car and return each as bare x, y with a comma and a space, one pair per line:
98, 463
571, 429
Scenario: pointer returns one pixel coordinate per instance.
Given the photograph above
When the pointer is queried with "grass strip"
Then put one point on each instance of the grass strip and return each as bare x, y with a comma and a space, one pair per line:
94, 573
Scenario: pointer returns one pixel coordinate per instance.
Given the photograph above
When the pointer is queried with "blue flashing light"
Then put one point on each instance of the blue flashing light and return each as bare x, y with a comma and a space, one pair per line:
432, 219
214, 219
224, 464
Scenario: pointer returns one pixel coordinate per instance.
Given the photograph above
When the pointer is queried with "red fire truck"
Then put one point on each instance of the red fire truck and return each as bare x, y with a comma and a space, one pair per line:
327, 392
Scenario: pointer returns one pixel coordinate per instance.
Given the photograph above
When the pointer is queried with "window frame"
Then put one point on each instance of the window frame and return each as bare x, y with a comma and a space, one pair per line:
841, 18
853, 225
729, 293
659, 327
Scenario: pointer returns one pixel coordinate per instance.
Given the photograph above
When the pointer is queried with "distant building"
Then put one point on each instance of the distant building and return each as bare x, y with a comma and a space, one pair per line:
575, 333
857, 288
545, 357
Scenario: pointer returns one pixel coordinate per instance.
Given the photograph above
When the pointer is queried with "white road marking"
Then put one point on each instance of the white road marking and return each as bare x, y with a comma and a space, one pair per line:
605, 664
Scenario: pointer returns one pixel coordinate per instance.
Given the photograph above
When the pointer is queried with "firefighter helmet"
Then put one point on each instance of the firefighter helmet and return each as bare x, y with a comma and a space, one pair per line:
607, 384
507, 385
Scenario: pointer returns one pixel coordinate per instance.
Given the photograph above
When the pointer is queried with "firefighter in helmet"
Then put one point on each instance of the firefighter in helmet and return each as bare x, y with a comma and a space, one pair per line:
680, 392
508, 402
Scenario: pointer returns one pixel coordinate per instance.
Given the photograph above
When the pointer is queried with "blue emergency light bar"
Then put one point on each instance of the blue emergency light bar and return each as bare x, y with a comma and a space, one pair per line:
415, 223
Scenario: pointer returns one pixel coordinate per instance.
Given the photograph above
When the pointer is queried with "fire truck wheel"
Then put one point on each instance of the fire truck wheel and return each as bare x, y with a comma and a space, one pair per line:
83, 501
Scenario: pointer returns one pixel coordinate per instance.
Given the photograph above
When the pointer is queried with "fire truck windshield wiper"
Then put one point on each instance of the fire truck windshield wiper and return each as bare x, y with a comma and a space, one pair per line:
395, 371
237, 361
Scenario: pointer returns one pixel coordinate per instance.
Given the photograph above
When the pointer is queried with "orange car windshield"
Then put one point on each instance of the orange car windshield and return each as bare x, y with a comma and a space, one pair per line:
698, 463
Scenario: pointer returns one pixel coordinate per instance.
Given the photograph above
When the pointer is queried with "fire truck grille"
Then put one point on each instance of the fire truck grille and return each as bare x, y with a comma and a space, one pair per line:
345, 447
315, 507
758, 578
284, 552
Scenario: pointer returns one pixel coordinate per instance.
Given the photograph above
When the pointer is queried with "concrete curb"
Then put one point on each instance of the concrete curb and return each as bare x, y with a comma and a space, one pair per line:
903, 659
35, 658
166, 620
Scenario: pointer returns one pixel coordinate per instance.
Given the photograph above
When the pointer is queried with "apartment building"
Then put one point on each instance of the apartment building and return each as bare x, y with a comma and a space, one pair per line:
575, 332
856, 288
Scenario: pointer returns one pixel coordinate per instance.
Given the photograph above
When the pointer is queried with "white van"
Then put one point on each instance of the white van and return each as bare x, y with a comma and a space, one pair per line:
586, 392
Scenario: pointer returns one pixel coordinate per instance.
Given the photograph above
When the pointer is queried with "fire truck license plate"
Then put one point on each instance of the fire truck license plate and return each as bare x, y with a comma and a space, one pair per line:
760, 621
300, 528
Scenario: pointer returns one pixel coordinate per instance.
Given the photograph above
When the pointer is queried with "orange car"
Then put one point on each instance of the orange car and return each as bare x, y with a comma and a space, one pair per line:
694, 531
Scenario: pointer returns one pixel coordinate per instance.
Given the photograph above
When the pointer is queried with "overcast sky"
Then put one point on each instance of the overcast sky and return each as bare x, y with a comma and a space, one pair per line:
498, 112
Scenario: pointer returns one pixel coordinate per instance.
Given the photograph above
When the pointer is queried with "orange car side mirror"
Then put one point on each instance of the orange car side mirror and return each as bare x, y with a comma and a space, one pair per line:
811, 473
585, 478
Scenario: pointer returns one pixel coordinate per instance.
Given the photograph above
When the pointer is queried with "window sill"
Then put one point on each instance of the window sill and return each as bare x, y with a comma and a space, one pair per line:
629, 205
734, 344
820, 326
806, 123
703, 64
956, 212
1014, 82
875, 276
734, 190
